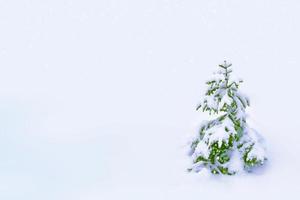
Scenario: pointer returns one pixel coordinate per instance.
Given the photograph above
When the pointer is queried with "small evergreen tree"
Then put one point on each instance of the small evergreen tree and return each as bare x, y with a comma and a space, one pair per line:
225, 144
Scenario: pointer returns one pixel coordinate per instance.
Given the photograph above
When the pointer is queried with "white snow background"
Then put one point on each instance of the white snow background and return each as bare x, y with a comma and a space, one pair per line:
98, 97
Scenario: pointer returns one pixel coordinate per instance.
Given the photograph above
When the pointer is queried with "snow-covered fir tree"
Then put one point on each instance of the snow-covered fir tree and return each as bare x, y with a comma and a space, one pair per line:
226, 144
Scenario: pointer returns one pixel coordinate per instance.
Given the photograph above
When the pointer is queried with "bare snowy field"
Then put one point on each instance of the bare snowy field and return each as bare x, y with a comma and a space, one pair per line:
98, 97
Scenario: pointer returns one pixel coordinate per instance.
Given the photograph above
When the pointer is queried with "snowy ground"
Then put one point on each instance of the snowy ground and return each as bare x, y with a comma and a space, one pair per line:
97, 98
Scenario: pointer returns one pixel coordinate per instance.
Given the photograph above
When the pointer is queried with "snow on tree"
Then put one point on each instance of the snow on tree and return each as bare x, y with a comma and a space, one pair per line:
226, 144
